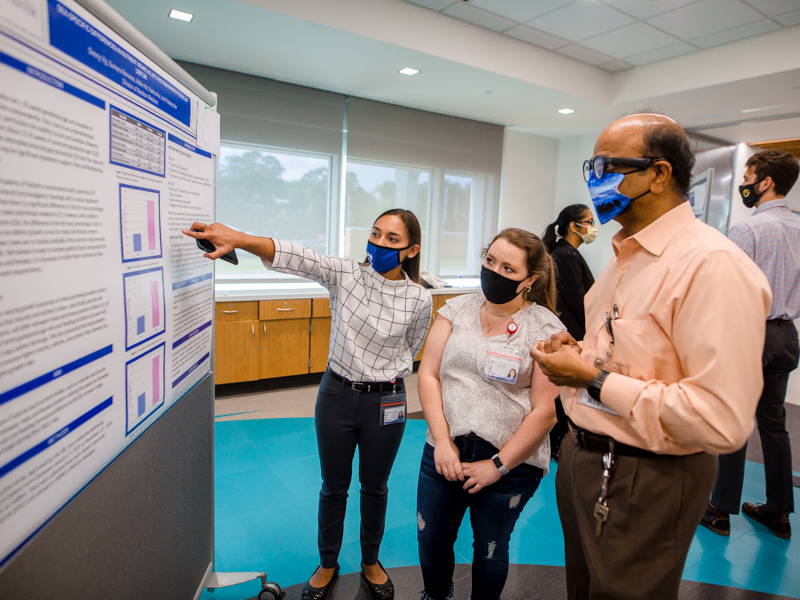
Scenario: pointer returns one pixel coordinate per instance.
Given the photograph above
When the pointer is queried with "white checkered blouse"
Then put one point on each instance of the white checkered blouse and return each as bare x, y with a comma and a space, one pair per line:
377, 325
771, 237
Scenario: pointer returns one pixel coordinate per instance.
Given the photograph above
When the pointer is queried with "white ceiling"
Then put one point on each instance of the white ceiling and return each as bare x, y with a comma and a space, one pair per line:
746, 90
618, 34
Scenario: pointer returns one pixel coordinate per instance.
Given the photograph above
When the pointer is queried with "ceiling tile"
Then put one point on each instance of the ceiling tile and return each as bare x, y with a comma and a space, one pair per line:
432, 4
615, 66
789, 19
643, 9
705, 17
629, 40
773, 8
479, 17
520, 10
661, 53
737, 33
580, 20
585, 55
536, 37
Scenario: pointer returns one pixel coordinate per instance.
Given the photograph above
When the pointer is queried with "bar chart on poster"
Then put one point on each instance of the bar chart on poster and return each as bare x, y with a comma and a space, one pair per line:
105, 308
140, 229
144, 379
144, 305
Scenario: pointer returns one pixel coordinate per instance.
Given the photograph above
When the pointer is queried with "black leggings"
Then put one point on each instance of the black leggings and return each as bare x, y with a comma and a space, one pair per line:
344, 419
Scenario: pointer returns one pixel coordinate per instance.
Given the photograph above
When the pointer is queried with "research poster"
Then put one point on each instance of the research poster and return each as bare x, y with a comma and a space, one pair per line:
105, 308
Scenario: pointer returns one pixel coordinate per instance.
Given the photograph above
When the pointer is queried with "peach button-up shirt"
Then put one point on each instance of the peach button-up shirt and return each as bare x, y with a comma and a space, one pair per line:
686, 355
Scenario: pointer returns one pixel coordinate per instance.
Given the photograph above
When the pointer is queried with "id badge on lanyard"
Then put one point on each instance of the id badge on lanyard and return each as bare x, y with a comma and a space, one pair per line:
393, 408
503, 362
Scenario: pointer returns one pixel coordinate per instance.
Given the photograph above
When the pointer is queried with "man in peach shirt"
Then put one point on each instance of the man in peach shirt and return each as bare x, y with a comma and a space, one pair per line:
668, 375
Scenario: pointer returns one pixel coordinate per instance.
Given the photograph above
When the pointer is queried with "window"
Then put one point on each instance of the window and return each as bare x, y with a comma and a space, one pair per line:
463, 224
281, 173
272, 193
373, 188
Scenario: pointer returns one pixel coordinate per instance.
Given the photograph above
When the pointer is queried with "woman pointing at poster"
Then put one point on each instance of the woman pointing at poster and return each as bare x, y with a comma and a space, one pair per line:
380, 315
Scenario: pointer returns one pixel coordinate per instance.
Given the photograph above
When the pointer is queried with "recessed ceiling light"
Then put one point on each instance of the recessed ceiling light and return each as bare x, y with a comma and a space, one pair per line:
566, 111
179, 15
408, 71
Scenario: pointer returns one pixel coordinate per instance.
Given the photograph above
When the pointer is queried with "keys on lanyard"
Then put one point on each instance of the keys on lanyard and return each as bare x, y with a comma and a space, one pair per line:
601, 509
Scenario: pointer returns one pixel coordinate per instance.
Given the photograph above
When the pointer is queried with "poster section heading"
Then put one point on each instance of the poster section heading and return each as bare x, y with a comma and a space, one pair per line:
77, 38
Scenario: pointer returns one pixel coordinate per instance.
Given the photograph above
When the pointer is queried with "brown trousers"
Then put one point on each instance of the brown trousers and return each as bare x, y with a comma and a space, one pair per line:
655, 506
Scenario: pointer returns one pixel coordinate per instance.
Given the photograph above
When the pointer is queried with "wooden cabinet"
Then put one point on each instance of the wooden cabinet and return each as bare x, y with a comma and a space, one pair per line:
259, 340
280, 310
320, 334
236, 342
438, 302
284, 345
284, 348
236, 352
276, 338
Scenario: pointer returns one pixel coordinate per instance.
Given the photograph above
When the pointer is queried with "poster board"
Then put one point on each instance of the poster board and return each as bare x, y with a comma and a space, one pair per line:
106, 310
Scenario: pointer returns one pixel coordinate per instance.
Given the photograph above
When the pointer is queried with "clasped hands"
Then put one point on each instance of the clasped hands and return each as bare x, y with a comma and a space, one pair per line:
475, 475
560, 360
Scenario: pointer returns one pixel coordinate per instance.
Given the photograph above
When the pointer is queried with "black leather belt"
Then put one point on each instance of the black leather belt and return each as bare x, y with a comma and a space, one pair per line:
594, 442
367, 386
780, 321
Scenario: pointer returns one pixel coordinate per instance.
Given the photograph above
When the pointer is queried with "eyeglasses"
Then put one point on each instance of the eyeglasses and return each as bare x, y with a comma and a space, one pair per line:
589, 221
599, 165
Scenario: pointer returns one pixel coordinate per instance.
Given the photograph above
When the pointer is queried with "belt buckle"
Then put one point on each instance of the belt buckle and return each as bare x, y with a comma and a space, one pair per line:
360, 386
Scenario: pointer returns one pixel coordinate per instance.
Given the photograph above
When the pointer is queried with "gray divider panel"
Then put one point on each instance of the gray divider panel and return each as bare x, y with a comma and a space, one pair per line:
141, 530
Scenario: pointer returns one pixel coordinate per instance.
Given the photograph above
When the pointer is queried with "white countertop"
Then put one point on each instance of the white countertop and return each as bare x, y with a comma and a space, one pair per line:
252, 291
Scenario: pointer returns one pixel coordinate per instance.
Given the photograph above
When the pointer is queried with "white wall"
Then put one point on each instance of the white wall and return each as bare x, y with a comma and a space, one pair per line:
528, 181
571, 189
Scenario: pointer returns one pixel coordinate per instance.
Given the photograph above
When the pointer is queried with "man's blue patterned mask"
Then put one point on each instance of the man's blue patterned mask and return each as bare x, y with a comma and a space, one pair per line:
607, 199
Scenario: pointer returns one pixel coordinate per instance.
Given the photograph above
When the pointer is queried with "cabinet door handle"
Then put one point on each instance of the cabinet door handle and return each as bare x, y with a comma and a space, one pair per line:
229, 312
285, 309
265, 330
253, 330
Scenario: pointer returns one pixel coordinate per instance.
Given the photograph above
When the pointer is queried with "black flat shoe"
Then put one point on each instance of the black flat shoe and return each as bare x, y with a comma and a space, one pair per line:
318, 593
382, 591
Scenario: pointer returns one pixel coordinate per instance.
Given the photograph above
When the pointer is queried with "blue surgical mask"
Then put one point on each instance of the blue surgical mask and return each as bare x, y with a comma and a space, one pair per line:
606, 197
382, 258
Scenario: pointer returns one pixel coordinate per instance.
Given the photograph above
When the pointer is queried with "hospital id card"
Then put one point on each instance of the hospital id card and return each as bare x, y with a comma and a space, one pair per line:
393, 409
503, 363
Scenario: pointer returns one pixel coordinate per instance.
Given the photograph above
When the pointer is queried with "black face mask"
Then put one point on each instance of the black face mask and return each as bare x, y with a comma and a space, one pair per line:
749, 195
498, 289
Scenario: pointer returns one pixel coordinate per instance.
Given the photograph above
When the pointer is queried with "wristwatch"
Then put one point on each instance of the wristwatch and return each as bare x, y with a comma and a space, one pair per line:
596, 384
499, 464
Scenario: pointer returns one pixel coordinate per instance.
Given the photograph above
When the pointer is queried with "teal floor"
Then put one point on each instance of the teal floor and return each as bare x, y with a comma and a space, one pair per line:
267, 485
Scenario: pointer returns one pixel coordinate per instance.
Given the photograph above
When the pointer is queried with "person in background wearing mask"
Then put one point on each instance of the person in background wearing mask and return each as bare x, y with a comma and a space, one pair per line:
771, 237
489, 409
573, 227
668, 375
380, 315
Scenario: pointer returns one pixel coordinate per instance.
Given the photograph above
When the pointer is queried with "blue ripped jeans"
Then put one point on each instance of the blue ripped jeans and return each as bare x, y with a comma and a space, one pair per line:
494, 511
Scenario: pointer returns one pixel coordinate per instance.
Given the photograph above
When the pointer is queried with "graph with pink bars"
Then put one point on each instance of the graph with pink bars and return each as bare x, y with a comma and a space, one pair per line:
144, 305
140, 222
144, 377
